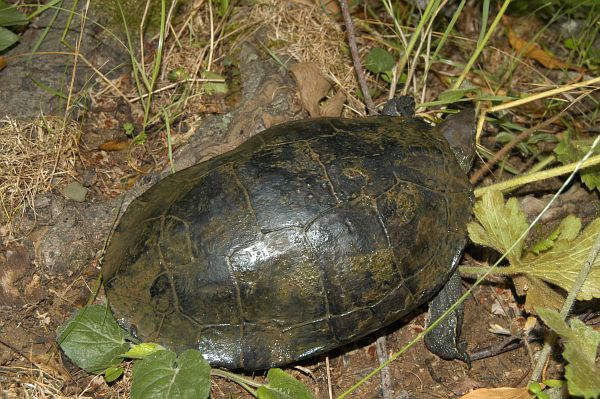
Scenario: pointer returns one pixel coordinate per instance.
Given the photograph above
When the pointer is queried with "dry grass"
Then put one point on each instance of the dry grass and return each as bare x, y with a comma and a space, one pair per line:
35, 156
309, 34
21, 382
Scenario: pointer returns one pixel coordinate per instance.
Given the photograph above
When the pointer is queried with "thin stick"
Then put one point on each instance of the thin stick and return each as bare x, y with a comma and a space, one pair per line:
513, 143
382, 356
329, 385
360, 74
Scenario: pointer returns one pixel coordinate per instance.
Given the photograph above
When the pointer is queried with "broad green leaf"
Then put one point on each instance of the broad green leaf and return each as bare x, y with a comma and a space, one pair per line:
379, 60
561, 264
214, 87
142, 350
164, 375
500, 225
92, 339
10, 15
7, 38
112, 373
580, 346
282, 386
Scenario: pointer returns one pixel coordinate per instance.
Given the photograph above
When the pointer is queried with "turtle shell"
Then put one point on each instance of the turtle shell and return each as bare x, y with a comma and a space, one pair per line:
310, 235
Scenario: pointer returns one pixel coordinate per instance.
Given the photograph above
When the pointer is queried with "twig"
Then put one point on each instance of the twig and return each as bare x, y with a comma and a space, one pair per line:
382, 356
504, 151
329, 386
360, 74
512, 144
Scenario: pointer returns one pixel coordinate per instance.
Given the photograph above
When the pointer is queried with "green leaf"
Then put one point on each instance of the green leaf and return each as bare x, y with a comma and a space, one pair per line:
10, 15
379, 60
128, 129
452, 96
214, 87
283, 386
568, 151
567, 231
546, 243
554, 383
569, 228
112, 373
561, 265
536, 389
142, 350
591, 178
580, 346
500, 225
164, 375
92, 339
7, 38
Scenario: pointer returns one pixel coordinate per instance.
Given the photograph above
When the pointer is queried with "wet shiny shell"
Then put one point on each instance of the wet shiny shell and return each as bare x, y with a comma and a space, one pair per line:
309, 235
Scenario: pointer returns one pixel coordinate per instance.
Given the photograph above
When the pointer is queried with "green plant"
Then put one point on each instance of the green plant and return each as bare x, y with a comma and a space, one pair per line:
580, 343
94, 341
537, 388
9, 16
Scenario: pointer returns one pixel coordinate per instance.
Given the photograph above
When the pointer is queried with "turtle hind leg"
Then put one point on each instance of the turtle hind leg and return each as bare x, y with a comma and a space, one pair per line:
443, 340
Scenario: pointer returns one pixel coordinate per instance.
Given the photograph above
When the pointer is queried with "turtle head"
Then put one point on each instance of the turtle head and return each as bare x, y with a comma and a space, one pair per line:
459, 131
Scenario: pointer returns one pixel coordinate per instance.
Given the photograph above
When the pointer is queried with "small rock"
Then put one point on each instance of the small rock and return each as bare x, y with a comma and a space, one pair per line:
75, 191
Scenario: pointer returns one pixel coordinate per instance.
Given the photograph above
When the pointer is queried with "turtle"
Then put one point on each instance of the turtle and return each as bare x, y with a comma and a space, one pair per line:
310, 235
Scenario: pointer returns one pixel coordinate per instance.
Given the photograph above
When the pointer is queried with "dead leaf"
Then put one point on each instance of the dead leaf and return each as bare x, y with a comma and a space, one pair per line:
498, 393
114, 145
333, 106
535, 52
312, 86
2, 62
331, 7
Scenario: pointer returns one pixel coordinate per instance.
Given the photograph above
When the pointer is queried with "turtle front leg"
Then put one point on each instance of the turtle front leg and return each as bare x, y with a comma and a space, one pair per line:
443, 340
